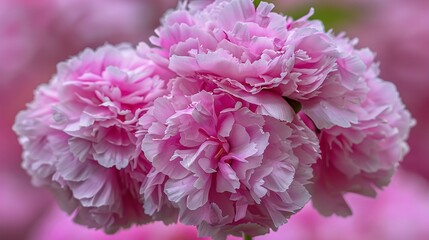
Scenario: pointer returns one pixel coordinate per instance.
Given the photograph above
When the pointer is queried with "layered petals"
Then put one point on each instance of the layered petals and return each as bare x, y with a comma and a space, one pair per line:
79, 140
262, 57
363, 157
228, 168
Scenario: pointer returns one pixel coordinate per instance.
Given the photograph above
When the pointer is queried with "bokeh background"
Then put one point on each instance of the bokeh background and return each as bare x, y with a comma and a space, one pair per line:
37, 34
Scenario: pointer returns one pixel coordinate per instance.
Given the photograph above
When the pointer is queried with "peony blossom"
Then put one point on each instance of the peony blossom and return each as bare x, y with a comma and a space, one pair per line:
228, 170
232, 123
263, 57
376, 24
365, 155
78, 137
406, 65
34, 37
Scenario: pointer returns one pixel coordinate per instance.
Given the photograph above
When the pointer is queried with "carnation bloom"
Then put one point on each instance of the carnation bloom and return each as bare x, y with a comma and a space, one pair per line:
228, 169
404, 64
365, 155
263, 57
78, 136
34, 36
221, 145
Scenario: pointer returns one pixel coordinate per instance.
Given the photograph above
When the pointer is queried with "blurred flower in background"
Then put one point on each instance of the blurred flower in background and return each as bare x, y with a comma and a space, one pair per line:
35, 35
398, 213
399, 33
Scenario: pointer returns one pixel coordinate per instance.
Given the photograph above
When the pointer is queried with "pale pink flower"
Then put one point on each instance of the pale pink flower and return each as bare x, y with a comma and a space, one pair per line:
78, 134
404, 60
102, 95
364, 156
263, 57
227, 169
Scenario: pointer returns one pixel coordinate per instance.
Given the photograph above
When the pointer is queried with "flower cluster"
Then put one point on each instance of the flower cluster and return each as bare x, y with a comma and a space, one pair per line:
79, 134
231, 123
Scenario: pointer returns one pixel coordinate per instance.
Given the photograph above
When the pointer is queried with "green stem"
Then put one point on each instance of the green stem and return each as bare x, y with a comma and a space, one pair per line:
246, 237
256, 3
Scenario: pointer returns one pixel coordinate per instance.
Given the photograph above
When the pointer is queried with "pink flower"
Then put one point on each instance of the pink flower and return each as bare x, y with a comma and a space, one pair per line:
263, 57
364, 156
220, 126
103, 94
228, 169
34, 36
78, 134
404, 64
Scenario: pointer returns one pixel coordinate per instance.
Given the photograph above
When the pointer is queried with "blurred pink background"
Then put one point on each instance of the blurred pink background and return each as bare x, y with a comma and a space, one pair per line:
37, 34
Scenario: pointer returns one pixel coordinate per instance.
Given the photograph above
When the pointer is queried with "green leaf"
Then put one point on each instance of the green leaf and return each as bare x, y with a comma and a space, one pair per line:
333, 16
246, 237
256, 3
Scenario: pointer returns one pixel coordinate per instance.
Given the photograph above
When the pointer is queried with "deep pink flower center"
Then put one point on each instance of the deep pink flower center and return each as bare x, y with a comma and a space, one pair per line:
223, 146
220, 153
